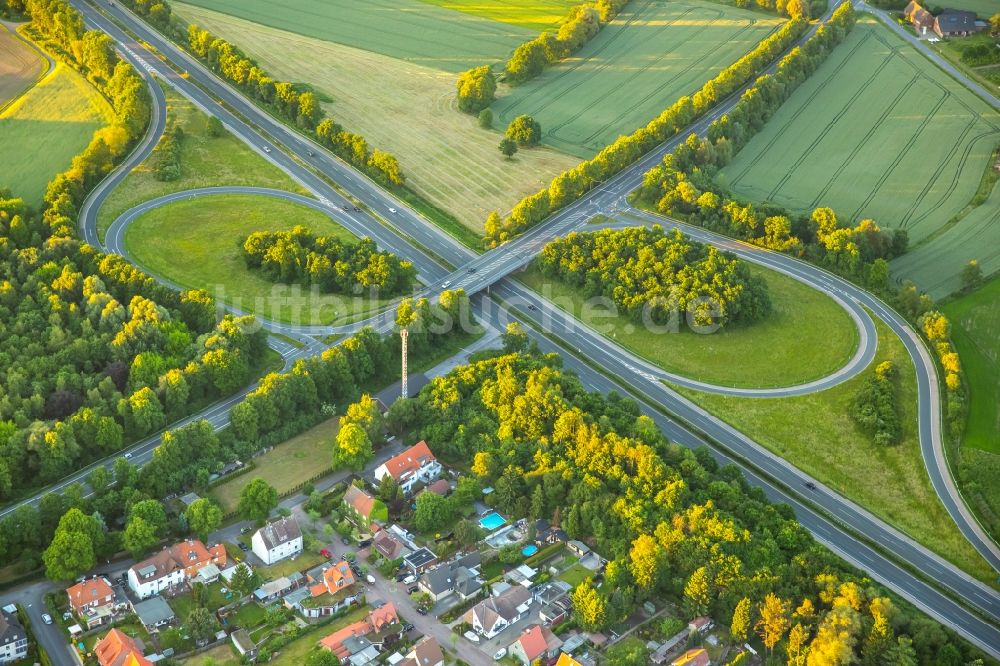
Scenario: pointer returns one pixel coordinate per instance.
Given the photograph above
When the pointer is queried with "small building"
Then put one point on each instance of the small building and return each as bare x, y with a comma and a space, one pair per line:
154, 613
118, 649
578, 548
566, 660
426, 652
414, 465
693, 657
244, 644
439, 487
13, 638
207, 575
277, 540
92, 601
494, 614
535, 642
700, 625
189, 499
273, 589
420, 560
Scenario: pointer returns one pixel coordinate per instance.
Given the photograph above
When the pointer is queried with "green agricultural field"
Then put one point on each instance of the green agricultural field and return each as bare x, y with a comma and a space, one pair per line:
808, 336
205, 162
533, 14
983, 8
42, 130
286, 465
653, 53
817, 434
877, 132
195, 243
20, 66
446, 157
405, 29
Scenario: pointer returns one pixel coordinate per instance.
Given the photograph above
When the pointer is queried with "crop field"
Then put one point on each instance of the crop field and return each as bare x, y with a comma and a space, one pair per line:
447, 158
409, 30
651, 54
877, 132
43, 129
817, 434
533, 14
195, 243
983, 8
20, 66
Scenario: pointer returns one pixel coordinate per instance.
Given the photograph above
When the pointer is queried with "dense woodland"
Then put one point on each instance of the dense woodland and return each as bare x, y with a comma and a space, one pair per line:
674, 526
333, 265
684, 184
648, 272
570, 185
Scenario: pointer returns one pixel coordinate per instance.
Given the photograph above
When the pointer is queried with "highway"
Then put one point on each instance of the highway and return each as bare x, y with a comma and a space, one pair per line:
490, 271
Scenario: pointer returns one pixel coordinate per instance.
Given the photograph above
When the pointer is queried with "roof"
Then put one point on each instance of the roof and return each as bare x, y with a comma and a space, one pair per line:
383, 617
533, 642
918, 15
153, 611
566, 660
700, 622
183, 555
242, 640
335, 578
693, 657
409, 461
335, 641
420, 557
119, 649
279, 532
10, 628
359, 500
956, 20
89, 591
439, 487
190, 498
389, 546
427, 652
502, 606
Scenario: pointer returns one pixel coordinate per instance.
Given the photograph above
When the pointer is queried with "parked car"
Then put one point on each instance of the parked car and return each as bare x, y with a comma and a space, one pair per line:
364, 543
46, 618
472, 636
407, 627
421, 610
370, 578
412, 578
500, 654
411, 589
245, 529
244, 547
344, 540
325, 553
401, 578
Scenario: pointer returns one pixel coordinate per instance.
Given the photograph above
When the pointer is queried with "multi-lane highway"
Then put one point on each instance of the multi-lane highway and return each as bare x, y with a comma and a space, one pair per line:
488, 271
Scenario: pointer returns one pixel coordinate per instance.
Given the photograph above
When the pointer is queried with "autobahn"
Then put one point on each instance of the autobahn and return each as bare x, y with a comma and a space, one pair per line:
491, 268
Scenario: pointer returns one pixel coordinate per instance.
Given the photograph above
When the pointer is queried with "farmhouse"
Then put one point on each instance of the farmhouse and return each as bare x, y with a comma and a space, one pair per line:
278, 540
173, 566
957, 23
922, 20
119, 649
13, 639
414, 465
491, 616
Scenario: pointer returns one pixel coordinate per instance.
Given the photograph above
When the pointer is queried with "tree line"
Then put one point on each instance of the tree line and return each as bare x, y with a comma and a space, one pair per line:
333, 265
684, 184
648, 272
674, 526
876, 408
167, 157
570, 185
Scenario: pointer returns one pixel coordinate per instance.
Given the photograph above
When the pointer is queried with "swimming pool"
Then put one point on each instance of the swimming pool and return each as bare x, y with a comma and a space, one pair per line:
492, 521
529, 550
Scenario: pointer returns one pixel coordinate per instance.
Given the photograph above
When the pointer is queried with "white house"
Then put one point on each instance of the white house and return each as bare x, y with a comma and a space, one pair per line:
173, 567
13, 639
278, 540
491, 616
414, 465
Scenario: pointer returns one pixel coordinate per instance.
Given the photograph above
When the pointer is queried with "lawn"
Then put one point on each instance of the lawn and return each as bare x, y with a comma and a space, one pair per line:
288, 566
220, 655
984, 8
576, 574
447, 158
806, 337
43, 129
286, 465
20, 66
653, 53
916, 161
249, 616
295, 652
205, 162
817, 434
532, 14
407, 30
195, 243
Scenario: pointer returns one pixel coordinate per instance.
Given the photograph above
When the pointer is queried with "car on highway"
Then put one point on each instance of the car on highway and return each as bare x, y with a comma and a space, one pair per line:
46, 618
127, 455
532, 307
810, 485
309, 153
446, 284
392, 210
267, 149
472, 270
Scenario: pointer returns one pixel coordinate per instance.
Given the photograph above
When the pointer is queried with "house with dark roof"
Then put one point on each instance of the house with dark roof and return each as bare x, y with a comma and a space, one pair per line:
494, 614
13, 638
277, 540
426, 652
414, 465
535, 642
957, 23
420, 560
153, 613
460, 577
388, 546
120, 649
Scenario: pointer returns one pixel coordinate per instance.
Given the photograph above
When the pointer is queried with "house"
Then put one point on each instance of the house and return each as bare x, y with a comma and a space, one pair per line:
92, 601
414, 465
244, 644
364, 638
700, 624
119, 649
426, 652
957, 23
420, 560
362, 507
578, 548
566, 660
13, 638
154, 613
460, 577
277, 540
173, 566
554, 613
439, 487
535, 642
693, 657
494, 614
388, 546
331, 589
922, 20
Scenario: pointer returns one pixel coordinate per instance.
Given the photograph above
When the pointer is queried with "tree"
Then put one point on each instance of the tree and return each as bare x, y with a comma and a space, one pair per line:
773, 621
215, 128
257, 499
321, 657
995, 24
972, 275
644, 561
697, 592
486, 118
365, 413
354, 447
201, 624
476, 88
797, 9
467, 533
203, 517
244, 580
508, 147
589, 606
152, 512
138, 536
741, 620
433, 512
525, 130
68, 555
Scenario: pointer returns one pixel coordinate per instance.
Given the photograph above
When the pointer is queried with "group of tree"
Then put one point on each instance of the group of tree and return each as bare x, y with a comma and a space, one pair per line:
577, 28
876, 408
652, 275
167, 156
790, 8
570, 185
674, 526
937, 330
476, 89
525, 130
331, 264
359, 429
435, 512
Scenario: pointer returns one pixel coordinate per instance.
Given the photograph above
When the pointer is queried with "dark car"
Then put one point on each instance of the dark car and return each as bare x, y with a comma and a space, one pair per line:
244, 547
245, 529
422, 610
357, 209
407, 627
472, 270
411, 589
400, 578
810, 485
345, 541
364, 543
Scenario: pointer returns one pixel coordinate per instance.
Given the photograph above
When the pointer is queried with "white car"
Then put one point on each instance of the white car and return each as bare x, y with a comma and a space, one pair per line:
267, 149
446, 284
392, 210
500, 654
472, 636
46, 618
410, 579
370, 578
